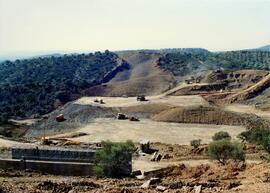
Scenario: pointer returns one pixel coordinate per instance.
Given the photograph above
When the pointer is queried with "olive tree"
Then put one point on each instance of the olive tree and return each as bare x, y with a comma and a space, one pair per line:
221, 135
224, 150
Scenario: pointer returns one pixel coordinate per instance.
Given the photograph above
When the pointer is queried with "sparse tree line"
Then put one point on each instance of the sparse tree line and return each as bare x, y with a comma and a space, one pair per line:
181, 63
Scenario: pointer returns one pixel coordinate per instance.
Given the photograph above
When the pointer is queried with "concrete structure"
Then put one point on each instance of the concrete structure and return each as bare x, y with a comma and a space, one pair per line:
55, 160
53, 154
145, 146
50, 167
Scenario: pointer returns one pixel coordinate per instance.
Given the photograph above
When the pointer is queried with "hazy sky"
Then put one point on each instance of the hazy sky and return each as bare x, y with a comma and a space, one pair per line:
80, 25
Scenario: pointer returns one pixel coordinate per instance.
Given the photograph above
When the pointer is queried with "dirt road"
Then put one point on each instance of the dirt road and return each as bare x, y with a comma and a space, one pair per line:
193, 100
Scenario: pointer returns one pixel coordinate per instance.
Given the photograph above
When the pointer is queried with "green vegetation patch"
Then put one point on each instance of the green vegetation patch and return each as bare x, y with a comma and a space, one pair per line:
38, 85
113, 159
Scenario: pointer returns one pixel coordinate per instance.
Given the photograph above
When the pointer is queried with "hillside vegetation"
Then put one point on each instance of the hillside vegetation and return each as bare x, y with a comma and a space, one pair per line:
182, 63
264, 48
38, 85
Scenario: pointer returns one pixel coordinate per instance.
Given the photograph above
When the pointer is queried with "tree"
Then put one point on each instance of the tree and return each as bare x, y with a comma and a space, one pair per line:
224, 150
221, 135
113, 159
255, 136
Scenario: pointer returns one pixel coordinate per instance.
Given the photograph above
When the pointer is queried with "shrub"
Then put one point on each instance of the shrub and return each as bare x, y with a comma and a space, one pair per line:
113, 159
195, 143
221, 135
266, 143
256, 136
224, 150
3, 149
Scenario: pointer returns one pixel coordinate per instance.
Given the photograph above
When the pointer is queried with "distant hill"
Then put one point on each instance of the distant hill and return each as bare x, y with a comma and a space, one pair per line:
38, 85
185, 50
264, 48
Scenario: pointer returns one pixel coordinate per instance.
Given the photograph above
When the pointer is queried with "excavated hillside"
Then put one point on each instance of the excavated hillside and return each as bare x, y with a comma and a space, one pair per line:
261, 101
143, 77
250, 92
226, 86
235, 79
222, 81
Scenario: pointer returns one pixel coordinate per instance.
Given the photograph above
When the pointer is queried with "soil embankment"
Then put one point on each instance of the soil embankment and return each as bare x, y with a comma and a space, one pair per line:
210, 115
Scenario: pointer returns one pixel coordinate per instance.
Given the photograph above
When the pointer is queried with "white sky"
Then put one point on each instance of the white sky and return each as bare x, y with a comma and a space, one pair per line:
84, 25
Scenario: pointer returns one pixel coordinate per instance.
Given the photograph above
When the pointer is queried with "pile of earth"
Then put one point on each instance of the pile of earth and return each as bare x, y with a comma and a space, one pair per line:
210, 115
75, 115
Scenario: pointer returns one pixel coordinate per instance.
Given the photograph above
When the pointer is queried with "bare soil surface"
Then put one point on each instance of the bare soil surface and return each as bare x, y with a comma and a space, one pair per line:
83, 111
250, 91
241, 108
8, 143
262, 101
210, 115
143, 77
182, 178
172, 133
131, 101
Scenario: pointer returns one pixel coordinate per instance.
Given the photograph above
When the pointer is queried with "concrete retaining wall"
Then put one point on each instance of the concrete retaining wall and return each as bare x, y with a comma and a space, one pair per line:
56, 168
59, 161
53, 154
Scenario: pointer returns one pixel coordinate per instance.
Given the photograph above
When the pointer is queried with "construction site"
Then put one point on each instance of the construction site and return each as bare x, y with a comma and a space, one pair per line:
55, 153
163, 114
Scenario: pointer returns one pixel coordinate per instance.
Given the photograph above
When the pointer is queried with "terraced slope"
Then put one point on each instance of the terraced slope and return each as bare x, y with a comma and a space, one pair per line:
250, 92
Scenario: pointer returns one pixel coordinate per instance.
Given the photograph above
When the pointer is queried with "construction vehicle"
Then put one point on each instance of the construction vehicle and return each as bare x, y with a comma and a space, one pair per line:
122, 116
60, 118
141, 98
133, 119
